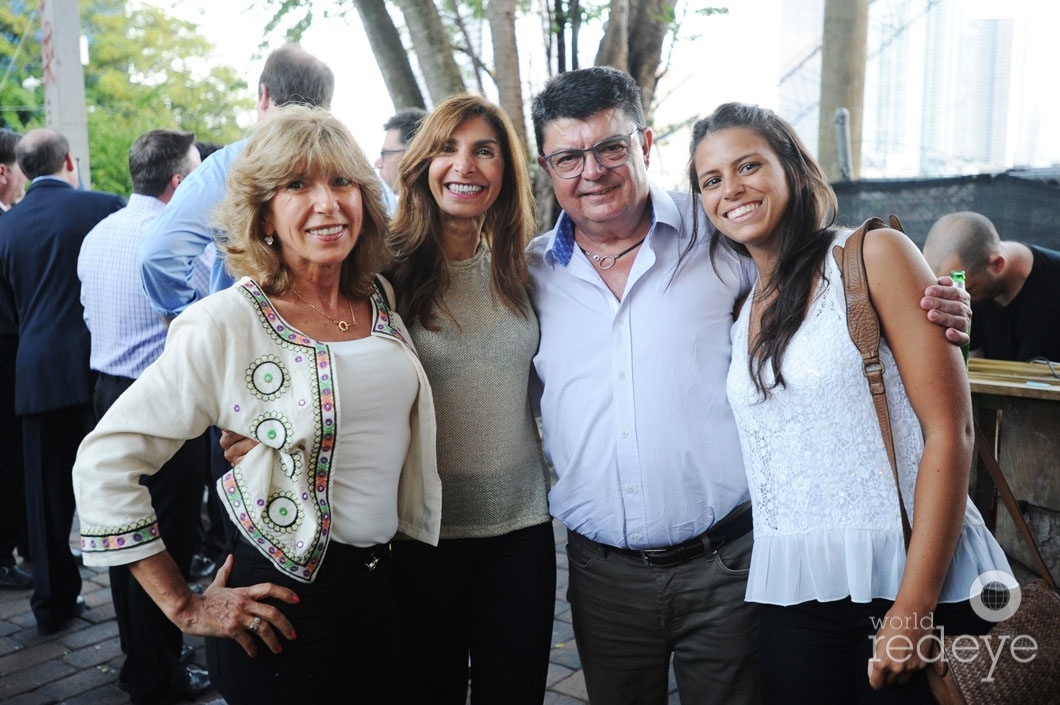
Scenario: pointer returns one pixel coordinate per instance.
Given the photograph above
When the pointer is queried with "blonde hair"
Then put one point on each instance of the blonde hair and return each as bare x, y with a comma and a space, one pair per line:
292, 142
421, 274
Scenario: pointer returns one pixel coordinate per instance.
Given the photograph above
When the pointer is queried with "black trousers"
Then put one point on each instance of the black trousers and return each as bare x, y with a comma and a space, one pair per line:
150, 641
50, 440
817, 653
13, 519
491, 599
348, 631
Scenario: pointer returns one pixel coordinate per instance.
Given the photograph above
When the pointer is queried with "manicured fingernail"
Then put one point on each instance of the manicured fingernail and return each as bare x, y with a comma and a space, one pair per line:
294, 635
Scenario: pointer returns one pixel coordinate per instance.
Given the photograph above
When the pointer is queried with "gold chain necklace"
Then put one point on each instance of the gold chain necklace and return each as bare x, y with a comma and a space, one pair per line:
342, 325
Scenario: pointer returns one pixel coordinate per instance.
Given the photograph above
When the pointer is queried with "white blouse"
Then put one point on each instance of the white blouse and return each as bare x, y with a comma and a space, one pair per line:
378, 389
826, 520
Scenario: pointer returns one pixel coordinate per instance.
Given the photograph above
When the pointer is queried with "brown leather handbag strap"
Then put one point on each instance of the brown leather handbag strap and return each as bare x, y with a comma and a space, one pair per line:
986, 454
864, 327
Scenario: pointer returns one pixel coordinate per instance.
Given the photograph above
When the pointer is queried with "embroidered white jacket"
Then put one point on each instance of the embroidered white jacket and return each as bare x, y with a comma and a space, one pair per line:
232, 362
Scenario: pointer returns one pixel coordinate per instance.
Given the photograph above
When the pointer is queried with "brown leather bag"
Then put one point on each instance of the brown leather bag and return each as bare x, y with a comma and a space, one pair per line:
997, 675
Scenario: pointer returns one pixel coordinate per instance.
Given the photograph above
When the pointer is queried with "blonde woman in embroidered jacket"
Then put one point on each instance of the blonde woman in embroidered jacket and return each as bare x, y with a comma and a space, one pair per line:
305, 355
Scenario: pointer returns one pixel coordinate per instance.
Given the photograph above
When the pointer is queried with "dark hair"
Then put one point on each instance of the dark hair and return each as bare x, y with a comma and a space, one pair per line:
8, 141
42, 154
207, 148
580, 94
293, 75
803, 234
407, 122
156, 156
421, 274
298, 141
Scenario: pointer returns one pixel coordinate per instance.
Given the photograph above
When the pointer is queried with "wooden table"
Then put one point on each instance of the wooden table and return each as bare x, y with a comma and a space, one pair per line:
1017, 410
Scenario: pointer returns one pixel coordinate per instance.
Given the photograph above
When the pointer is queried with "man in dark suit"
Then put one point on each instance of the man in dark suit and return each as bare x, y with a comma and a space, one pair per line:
39, 244
12, 522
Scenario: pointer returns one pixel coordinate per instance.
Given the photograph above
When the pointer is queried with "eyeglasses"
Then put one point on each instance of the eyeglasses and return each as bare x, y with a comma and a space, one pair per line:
384, 152
610, 153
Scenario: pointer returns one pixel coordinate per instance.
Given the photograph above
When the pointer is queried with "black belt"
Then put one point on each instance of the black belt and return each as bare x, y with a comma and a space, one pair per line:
726, 531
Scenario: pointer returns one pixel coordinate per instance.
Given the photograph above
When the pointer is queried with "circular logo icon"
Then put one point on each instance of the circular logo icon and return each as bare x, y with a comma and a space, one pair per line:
995, 595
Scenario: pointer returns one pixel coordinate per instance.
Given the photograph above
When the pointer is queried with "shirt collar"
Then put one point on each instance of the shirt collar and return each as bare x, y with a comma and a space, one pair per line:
663, 210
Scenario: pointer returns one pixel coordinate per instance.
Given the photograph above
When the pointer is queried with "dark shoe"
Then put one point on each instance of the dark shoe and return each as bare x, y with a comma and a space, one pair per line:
203, 567
14, 578
59, 622
191, 682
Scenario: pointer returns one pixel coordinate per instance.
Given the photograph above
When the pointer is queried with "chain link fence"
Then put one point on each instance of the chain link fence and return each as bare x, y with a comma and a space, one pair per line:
1024, 206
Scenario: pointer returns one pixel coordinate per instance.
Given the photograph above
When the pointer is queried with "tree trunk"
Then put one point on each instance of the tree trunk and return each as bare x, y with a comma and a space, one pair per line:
559, 30
652, 19
501, 15
614, 47
574, 10
433, 50
393, 61
843, 53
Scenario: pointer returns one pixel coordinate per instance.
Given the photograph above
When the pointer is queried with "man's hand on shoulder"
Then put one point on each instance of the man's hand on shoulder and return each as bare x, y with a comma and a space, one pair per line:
949, 307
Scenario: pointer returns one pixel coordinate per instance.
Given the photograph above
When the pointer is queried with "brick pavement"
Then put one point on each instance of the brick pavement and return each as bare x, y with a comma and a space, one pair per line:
79, 665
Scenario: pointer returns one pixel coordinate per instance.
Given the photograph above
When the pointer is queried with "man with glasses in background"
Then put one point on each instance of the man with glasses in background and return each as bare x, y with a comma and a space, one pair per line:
398, 132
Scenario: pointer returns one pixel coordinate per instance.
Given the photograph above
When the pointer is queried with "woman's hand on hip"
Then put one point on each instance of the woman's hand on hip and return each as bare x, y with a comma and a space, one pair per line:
239, 613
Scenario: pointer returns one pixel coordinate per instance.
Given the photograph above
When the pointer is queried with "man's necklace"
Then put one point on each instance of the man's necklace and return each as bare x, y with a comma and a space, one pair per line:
342, 325
608, 261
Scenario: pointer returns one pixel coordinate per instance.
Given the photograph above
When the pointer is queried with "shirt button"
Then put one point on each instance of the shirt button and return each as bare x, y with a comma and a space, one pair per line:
622, 375
625, 434
630, 489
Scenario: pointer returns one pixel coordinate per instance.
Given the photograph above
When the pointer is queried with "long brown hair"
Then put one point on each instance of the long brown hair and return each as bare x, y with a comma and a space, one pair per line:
421, 273
803, 234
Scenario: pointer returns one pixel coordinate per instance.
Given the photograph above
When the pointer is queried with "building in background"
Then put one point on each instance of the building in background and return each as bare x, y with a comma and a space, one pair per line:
951, 86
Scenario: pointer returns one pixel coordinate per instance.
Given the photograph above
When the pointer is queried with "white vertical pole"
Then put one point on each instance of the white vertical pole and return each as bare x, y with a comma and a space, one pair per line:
64, 79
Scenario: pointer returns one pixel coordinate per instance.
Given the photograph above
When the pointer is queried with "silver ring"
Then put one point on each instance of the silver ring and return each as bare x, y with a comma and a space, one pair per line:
254, 625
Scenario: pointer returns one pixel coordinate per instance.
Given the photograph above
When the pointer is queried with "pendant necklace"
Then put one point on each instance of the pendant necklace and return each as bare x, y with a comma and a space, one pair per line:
342, 325
608, 261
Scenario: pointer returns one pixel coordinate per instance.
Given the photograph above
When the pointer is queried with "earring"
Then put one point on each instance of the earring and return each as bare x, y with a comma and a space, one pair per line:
268, 240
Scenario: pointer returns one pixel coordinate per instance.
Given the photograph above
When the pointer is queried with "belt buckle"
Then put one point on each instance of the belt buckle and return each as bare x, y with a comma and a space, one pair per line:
650, 555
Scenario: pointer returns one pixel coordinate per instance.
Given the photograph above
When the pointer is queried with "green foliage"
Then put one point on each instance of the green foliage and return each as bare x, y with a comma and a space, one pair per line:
146, 70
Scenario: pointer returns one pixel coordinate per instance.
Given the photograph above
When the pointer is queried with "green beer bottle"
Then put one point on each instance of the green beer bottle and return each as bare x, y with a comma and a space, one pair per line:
957, 275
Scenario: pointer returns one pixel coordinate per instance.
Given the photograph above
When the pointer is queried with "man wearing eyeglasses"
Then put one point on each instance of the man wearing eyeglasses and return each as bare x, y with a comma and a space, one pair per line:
632, 361
398, 132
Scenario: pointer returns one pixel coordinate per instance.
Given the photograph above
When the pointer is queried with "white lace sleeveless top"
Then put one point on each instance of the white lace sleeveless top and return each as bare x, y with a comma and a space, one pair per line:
826, 520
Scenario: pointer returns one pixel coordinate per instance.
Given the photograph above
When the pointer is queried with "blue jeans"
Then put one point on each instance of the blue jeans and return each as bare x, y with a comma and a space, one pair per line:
630, 618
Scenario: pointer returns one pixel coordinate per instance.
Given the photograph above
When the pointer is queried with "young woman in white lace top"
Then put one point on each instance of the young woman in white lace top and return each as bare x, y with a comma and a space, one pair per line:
840, 596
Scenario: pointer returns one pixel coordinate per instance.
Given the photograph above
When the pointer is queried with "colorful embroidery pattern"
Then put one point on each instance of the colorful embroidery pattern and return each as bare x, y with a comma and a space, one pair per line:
273, 429
267, 379
296, 504
103, 539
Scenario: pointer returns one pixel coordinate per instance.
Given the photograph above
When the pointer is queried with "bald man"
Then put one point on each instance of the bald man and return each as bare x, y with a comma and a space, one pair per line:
1015, 288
